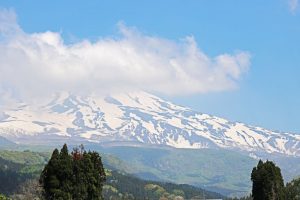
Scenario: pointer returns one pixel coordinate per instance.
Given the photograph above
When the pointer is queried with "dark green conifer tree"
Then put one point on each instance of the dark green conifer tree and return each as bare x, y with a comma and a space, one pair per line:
65, 174
97, 176
49, 177
79, 175
267, 182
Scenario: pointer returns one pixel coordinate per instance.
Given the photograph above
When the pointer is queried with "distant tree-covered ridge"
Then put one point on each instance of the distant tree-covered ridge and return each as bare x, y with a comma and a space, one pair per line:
123, 186
119, 185
20, 171
79, 175
13, 175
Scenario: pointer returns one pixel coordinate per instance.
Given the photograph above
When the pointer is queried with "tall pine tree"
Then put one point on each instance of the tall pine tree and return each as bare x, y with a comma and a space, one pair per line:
79, 175
49, 177
267, 182
65, 173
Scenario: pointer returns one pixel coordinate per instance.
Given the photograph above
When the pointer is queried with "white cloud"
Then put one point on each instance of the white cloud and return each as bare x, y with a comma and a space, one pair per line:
293, 5
41, 63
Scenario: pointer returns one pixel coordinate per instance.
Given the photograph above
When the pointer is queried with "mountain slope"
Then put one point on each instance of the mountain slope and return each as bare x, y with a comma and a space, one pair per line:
223, 171
206, 168
4, 143
124, 186
23, 168
139, 118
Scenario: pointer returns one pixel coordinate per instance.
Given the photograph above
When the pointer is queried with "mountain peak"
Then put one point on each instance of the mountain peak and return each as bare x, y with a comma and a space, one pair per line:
137, 117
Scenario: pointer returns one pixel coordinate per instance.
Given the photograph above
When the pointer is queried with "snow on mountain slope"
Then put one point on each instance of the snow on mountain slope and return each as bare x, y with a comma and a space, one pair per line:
137, 117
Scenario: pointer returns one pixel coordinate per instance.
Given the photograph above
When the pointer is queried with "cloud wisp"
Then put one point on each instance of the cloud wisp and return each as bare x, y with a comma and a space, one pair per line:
36, 64
293, 5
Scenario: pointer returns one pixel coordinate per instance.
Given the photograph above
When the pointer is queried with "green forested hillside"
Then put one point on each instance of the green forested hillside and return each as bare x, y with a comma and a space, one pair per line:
18, 167
201, 168
20, 170
218, 170
225, 172
124, 186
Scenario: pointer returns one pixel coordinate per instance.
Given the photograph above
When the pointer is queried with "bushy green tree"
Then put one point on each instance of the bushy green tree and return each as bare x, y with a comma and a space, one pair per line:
267, 182
292, 190
2, 197
79, 175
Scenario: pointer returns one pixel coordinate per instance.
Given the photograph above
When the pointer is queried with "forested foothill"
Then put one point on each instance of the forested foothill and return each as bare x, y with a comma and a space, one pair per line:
80, 174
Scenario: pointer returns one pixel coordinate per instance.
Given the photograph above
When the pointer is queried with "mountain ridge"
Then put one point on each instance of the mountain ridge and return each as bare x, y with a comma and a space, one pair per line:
137, 117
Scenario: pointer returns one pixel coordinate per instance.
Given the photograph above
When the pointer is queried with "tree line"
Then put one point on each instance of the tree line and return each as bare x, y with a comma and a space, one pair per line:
81, 175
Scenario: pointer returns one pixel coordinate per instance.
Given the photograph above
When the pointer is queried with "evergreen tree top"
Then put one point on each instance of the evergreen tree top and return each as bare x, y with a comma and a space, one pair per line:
79, 175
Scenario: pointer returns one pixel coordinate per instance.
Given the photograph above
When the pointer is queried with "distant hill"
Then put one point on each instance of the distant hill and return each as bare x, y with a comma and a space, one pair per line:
121, 185
5, 143
221, 171
17, 167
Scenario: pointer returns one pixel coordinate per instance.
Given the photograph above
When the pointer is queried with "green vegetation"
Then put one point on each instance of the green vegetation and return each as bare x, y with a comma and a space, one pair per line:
292, 190
124, 186
14, 172
119, 185
3, 197
25, 157
20, 172
79, 175
267, 182
202, 167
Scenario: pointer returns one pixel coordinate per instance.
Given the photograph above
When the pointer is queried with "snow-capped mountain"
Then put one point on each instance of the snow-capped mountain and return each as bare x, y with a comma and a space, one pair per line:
136, 117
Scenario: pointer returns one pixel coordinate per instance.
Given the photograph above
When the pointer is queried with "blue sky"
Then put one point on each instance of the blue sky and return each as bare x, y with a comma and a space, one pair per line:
268, 94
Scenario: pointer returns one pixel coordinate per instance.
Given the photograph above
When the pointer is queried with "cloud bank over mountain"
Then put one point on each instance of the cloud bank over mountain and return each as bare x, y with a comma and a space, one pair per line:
37, 64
